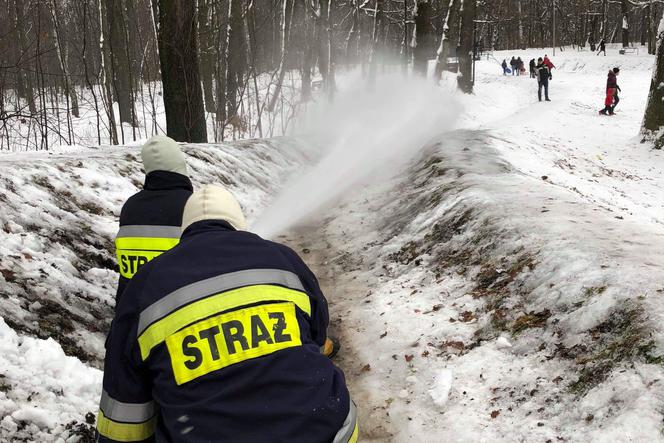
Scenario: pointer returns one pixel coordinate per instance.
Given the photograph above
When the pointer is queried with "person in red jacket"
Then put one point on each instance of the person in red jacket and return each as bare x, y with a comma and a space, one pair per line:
612, 88
549, 64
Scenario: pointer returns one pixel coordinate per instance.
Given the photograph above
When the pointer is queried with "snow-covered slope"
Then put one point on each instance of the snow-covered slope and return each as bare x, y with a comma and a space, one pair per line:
57, 269
510, 288
506, 286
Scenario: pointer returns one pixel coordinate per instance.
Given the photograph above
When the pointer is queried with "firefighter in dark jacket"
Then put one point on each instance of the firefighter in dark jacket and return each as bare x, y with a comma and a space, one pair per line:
543, 77
217, 340
150, 220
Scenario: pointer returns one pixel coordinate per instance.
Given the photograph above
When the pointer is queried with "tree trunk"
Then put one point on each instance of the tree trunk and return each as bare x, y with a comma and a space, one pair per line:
446, 41
651, 31
376, 40
521, 44
106, 72
323, 44
63, 58
206, 59
331, 84
235, 56
605, 20
308, 58
465, 79
625, 23
653, 119
178, 56
119, 66
353, 38
220, 69
24, 79
286, 19
250, 24
424, 39
644, 26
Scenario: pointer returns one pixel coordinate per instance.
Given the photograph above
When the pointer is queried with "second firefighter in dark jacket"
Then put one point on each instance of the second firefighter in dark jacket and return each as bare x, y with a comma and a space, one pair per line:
543, 77
150, 220
217, 340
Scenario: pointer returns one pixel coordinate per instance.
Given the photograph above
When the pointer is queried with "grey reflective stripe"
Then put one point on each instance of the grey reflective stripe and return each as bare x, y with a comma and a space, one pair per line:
149, 231
125, 412
346, 431
204, 288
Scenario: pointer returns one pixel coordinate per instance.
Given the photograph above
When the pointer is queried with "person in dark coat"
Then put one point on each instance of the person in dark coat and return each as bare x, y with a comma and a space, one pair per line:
513, 65
533, 71
602, 47
504, 65
150, 219
217, 340
520, 66
543, 77
612, 89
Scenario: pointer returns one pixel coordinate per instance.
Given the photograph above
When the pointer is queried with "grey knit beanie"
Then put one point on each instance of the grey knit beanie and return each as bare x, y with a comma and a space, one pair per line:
162, 153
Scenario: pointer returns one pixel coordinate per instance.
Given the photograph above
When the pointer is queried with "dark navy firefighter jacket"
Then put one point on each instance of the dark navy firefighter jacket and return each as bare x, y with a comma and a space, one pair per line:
150, 222
218, 340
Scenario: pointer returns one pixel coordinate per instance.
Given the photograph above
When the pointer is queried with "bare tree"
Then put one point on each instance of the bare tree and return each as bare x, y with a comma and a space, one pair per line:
376, 39
24, 79
286, 18
465, 79
178, 55
424, 39
653, 119
446, 40
120, 68
625, 23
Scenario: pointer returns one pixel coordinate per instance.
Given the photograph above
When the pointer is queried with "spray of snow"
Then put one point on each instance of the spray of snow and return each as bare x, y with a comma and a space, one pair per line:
363, 135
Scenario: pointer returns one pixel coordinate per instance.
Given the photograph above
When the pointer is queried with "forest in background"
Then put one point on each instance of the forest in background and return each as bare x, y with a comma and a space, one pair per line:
253, 63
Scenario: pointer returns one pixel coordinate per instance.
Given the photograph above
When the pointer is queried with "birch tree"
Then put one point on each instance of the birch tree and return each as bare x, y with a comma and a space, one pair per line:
446, 39
286, 18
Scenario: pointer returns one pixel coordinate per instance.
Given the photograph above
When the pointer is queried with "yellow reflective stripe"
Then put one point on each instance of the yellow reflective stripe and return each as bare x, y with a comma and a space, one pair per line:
356, 433
158, 331
125, 431
146, 243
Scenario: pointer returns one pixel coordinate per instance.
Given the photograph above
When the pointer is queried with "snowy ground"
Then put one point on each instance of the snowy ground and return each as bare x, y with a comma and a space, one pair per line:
505, 287
512, 289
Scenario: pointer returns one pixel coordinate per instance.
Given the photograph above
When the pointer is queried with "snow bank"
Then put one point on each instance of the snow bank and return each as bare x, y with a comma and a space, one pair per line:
43, 392
521, 253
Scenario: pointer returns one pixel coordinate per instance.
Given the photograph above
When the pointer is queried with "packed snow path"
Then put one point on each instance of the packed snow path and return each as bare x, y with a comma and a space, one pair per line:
506, 287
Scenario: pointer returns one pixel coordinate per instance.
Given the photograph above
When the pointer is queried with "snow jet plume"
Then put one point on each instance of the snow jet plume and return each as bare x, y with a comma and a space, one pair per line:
363, 135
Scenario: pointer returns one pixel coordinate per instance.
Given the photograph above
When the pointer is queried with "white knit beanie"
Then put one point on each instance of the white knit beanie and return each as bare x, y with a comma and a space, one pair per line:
162, 153
213, 202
